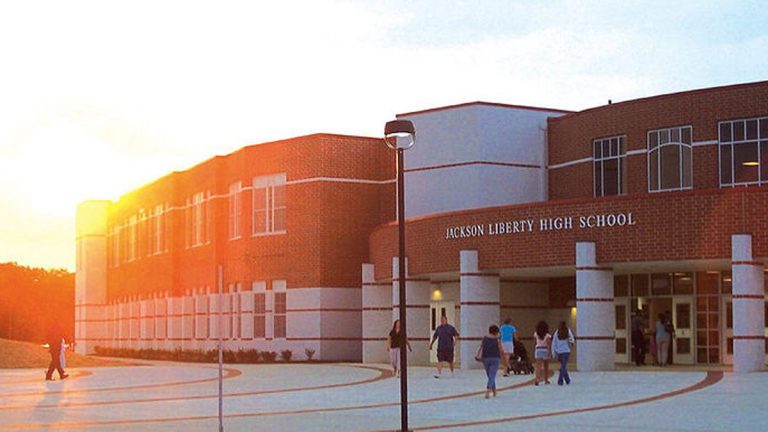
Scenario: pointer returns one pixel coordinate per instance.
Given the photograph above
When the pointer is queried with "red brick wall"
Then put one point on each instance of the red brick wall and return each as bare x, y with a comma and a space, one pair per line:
669, 226
328, 223
571, 136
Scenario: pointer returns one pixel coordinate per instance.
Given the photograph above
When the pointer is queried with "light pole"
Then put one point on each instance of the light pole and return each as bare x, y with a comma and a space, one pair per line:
400, 135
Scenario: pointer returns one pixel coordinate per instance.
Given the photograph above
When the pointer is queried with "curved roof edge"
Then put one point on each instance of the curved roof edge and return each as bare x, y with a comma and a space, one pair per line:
661, 97
493, 104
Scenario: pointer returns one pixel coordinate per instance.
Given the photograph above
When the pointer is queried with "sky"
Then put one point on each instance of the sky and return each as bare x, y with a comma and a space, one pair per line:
98, 98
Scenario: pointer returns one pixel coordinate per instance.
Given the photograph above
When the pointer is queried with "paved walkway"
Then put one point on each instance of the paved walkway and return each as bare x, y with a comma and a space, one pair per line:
163, 396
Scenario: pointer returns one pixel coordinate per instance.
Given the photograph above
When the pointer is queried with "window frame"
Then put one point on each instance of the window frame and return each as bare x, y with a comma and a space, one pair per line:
235, 212
656, 150
731, 143
621, 159
268, 184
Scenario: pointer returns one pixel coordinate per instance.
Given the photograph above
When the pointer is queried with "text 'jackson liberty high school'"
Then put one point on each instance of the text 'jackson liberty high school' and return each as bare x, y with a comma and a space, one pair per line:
544, 224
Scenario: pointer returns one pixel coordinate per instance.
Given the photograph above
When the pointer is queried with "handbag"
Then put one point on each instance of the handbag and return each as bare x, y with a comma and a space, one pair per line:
479, 353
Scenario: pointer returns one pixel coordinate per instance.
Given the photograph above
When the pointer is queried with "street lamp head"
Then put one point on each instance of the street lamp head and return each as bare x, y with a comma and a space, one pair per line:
399, 134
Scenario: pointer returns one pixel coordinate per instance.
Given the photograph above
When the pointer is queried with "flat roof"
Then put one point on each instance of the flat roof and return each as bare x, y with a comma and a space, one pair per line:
493, 104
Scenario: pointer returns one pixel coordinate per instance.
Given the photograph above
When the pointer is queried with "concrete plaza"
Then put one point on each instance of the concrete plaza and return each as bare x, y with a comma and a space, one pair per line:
162, 396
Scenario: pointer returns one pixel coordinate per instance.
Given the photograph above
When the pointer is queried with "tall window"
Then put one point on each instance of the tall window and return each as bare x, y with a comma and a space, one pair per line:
133, 235
235, 209
609, 166
269, 204
259, 313
669, 159
744, 152
198, 214
157, 228
279, 315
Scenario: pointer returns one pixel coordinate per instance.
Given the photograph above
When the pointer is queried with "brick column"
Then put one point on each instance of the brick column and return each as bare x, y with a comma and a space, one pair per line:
417, 313
377, 317
480, 306
748, 312
595, 316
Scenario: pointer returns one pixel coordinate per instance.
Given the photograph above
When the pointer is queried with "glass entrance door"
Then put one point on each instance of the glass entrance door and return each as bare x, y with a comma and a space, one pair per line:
622, 330
682, 317
436, 311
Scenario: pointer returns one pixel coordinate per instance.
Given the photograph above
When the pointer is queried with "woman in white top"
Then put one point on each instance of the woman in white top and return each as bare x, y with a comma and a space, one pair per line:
561, 349
541, 352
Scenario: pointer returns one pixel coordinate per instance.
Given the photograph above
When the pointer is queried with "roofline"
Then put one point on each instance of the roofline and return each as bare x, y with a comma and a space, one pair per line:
493, 104
663, 96
244, 148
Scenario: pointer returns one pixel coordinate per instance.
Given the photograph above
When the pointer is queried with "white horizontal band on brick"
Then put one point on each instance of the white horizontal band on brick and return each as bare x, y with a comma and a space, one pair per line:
569, 163
636, 152
293, 182
703, 143
339, 180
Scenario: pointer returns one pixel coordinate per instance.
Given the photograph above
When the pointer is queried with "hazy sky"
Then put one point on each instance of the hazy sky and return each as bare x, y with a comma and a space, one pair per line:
98, 98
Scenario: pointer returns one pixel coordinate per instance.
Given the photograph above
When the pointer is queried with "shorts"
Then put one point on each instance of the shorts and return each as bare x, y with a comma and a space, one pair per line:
541, 353
445, 355
509, 347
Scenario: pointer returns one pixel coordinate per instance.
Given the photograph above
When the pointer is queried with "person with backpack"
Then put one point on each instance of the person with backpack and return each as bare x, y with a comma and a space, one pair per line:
561, 350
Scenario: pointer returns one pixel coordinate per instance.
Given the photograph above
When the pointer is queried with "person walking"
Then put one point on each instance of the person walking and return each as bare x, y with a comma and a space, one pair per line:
638, 340
54, 348
445, 335
663, 337
507, 331
491, 353
561, 349
541, 352
395, 342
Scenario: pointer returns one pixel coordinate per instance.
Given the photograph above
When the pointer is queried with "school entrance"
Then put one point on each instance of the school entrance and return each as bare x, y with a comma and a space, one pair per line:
701, 307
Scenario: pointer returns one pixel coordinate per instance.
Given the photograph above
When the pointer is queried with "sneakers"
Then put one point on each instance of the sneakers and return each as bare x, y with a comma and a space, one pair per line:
65, 376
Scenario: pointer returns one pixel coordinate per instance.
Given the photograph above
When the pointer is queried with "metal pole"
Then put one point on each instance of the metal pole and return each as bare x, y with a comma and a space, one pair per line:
221, 353
401, 280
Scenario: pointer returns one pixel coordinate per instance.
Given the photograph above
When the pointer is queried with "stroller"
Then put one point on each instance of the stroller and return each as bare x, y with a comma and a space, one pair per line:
520, 362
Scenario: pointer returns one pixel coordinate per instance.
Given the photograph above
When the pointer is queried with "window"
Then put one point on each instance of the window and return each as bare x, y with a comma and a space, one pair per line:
235, 209
279, 315
744, 152
609, 166
132, 239
143, 248
259, 312
156, 228
669, 159
269, 205
198, 219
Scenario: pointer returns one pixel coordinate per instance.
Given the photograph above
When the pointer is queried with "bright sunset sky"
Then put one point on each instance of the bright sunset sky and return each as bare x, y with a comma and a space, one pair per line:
98, 98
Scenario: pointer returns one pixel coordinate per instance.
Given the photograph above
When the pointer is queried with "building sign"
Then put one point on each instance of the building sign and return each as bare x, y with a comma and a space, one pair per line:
559, 223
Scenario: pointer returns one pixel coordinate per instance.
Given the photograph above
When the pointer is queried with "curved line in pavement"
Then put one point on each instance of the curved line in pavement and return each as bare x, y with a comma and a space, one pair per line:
267, 414
73, 375
711, 379
382, 375
228, 373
